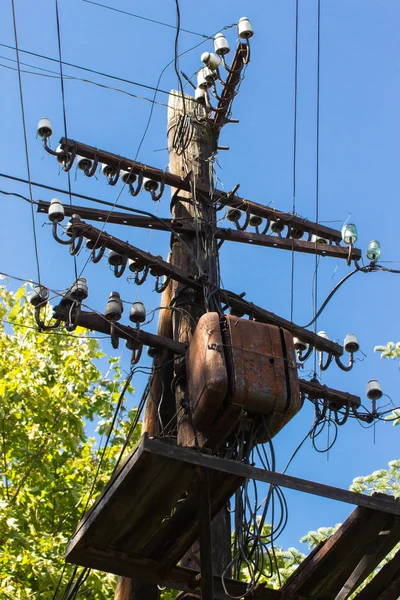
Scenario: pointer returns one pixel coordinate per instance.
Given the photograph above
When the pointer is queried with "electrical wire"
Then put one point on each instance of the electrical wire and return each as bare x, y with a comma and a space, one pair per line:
97, 201
59, 333
64, 108
124, 12
331, 294
156, 89
100, 73
294, 153
21, 96
317, 172
54, 75
111, 428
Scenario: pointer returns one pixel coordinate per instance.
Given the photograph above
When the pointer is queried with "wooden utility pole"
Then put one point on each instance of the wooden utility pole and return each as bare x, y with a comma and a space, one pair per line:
191, 145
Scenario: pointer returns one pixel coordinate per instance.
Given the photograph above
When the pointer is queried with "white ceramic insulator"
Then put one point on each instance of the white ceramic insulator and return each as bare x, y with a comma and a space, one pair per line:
245, 29
150, 185
56, 211
45, 128
221, 46
212, 61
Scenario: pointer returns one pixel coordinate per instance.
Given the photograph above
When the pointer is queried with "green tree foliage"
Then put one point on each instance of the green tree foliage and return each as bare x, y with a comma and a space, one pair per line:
391, 350
50, 388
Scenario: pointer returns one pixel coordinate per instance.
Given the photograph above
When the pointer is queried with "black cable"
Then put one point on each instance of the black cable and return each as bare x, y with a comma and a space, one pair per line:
103, 202
64, 114
25, 140
176, 55
101, 74
54, 75
335, 289
294, 154
317, 174
116, 411
156, 89
124, 12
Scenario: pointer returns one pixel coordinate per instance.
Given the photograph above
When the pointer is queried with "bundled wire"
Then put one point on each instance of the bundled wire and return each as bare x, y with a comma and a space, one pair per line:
253, 548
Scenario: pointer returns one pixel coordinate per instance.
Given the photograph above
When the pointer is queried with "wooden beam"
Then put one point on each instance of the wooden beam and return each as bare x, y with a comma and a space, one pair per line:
386, 584
315, 390
384, 504
205, 538
230, 298
225, 234
323, 574
98, 322
181, 183
231, 83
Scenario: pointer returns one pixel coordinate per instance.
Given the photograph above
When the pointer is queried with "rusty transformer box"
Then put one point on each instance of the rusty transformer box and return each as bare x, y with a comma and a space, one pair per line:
232, 360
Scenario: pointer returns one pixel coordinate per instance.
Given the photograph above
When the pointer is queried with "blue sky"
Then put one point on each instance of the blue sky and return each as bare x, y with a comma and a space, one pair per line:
359, 132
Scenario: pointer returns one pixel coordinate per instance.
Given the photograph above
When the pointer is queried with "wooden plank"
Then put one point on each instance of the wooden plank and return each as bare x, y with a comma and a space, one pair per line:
331, 566
204, 518
119, 515
222, 233
98, 322
229, 89
285, 243
230, 298
374, 554
385, 585
176, 537
184, 184
386, 504
180, 578
314, 389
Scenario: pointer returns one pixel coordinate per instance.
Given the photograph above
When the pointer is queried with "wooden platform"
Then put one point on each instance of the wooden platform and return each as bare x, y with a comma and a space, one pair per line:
147, 518
147, 515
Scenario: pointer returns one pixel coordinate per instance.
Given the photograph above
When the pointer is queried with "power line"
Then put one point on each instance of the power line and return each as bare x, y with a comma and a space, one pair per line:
54, 75
124, 12
100, 73
317, 173
64, 114
97, 201
21, 95
294, 152
171, 93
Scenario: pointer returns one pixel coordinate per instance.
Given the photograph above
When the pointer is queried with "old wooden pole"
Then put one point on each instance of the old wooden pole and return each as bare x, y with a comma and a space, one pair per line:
192, 141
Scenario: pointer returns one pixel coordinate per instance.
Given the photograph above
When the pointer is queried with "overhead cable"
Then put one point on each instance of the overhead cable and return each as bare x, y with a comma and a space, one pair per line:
21, 96
124, 12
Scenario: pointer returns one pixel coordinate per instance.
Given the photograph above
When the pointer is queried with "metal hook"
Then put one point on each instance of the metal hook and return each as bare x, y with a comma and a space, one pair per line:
118, 270
157, 196
132, 190
90, 172
97, 257
114, 179
160, 288
142, 279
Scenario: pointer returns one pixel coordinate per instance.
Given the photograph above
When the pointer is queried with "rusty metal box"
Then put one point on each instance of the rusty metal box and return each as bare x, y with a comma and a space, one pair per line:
207, 373
265, 378
243, 362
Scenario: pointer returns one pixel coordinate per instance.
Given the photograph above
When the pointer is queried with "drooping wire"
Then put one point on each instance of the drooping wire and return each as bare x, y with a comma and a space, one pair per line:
294, 154
335, 289
21, 95
64, 113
